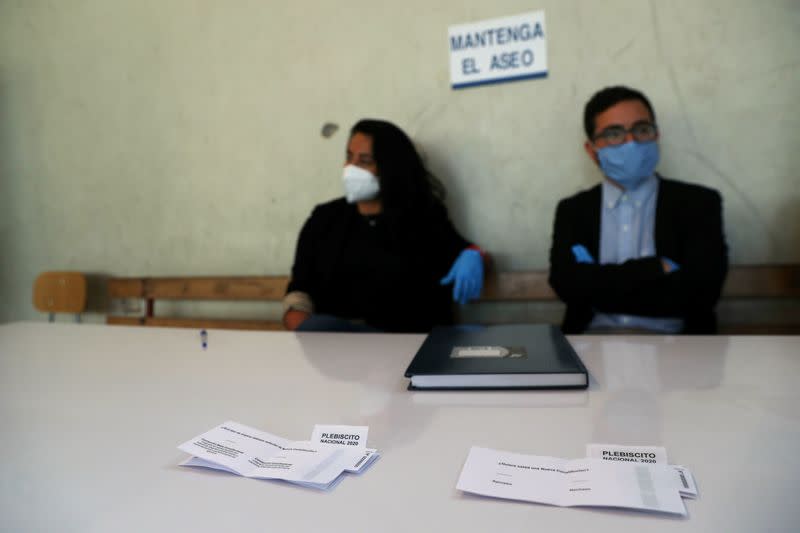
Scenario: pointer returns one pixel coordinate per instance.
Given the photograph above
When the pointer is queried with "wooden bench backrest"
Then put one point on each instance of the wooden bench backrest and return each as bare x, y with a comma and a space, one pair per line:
762, 281
208, 288
264, 288
743, 282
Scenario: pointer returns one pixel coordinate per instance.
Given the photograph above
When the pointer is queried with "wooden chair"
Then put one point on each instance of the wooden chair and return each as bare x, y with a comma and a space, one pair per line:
60, 292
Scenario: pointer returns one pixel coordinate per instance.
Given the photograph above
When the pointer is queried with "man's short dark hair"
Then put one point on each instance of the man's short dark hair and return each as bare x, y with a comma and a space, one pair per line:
609, 97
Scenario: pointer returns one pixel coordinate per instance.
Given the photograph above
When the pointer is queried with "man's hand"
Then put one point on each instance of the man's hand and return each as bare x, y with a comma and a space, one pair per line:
581, 254
669, 265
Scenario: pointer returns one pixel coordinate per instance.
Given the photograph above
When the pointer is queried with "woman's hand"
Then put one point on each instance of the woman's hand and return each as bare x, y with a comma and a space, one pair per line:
293, 318
466, 274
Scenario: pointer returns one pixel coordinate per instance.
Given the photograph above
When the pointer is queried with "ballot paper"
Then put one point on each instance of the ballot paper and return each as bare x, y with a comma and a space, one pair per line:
352, 440
249, 452
644, 454
629, 454
568, 483
345, 436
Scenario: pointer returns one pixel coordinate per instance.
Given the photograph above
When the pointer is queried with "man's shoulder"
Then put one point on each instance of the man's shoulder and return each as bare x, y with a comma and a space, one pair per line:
592, 194
686, 189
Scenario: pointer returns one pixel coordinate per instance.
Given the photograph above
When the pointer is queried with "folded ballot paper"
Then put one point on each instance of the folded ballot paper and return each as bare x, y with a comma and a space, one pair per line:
567, 483
319, 463
646, 455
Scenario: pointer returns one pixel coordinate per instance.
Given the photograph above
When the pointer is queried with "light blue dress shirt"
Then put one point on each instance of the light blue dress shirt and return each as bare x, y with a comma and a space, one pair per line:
627, 231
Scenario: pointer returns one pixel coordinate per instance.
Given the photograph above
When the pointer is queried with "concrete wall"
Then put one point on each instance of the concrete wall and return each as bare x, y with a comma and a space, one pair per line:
178, 137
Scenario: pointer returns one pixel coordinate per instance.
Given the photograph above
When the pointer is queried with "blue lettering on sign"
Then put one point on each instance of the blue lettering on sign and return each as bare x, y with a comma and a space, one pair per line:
504, 61
468, 66
509, 60
527, 57
493, 36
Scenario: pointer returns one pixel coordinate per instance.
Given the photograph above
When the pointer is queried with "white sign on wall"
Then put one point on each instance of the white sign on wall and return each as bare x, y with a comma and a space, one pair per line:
498, 50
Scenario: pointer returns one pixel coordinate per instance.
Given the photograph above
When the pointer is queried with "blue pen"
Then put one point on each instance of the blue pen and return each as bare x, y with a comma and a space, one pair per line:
204, 338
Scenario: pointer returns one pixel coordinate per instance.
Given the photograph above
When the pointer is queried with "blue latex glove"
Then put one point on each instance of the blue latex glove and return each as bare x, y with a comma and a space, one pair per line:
581, 254
673, 266
466, 274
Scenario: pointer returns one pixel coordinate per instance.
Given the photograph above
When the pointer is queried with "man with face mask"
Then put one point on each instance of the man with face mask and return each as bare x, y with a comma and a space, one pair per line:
639, 252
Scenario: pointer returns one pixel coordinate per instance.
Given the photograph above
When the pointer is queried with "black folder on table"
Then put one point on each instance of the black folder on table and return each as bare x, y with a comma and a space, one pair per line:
519, 356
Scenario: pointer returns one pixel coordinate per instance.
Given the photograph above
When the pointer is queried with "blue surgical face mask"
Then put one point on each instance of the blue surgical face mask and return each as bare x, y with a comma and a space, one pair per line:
630, 163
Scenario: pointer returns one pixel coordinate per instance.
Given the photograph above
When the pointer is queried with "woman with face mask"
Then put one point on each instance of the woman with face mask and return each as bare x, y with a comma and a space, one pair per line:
385, 257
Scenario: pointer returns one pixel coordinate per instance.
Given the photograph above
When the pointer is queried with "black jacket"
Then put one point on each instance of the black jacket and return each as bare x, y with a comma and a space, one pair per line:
387, 276
688, 230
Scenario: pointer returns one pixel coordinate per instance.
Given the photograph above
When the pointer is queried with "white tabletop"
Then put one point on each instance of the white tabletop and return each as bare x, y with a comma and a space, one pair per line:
91, 417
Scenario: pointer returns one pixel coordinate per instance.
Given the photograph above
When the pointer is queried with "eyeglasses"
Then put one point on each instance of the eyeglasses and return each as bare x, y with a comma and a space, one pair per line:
642, 132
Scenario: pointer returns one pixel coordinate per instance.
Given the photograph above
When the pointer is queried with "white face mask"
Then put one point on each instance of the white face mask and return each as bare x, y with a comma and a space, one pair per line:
359, 184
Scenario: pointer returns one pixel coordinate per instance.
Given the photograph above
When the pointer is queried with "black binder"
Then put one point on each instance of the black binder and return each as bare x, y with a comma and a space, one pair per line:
519, 356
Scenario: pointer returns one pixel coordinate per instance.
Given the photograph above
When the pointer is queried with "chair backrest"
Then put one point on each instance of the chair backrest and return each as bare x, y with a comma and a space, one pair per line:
60, 292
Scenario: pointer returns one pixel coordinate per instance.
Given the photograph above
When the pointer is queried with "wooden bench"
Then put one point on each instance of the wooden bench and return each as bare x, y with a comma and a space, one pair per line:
208, 288
775, 289
745, 283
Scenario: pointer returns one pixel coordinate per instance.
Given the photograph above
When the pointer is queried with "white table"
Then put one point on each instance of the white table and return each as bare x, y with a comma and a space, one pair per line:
90, 417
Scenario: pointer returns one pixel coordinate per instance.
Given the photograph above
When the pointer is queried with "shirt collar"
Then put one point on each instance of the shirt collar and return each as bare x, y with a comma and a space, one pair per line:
612, 195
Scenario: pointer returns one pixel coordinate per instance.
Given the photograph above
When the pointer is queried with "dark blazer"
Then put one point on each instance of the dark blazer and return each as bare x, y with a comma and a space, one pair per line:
392, 282
688, 230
